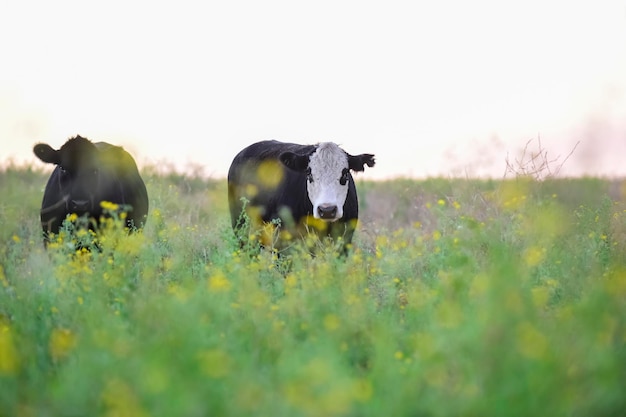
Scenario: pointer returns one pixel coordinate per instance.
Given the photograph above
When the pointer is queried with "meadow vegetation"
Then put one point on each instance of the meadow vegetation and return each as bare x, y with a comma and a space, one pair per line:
460, 297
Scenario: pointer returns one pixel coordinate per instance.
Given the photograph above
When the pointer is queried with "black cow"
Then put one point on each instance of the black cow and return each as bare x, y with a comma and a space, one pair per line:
304, 187
86, 175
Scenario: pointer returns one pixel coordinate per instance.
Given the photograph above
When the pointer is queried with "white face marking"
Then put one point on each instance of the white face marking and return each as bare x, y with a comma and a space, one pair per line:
327, 191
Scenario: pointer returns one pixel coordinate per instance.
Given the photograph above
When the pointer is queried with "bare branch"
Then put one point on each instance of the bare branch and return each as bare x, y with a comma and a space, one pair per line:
535, 164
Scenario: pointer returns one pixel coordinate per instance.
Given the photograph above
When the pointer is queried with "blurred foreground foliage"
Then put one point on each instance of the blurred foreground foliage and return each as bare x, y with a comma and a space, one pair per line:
461, 297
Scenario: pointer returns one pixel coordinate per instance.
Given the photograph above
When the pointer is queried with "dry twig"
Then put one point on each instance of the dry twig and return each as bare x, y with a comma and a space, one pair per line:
535, 164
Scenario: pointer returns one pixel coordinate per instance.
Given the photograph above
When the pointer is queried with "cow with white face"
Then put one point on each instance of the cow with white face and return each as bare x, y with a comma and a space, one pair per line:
304, 188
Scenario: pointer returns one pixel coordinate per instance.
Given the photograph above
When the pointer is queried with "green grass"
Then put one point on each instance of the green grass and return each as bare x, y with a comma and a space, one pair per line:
461, 297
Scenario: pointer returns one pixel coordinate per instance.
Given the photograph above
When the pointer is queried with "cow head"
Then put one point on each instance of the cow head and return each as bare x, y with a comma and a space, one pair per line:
78, 173
327, 171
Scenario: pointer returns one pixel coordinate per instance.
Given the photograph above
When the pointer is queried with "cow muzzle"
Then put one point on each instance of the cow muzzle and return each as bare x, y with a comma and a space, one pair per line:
327, 212
80, 205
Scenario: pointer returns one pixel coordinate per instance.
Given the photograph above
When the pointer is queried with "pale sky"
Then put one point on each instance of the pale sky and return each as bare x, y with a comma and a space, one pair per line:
431, 88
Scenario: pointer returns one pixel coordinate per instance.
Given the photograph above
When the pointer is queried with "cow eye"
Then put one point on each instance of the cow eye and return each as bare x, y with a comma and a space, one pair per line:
344, 176
309, 176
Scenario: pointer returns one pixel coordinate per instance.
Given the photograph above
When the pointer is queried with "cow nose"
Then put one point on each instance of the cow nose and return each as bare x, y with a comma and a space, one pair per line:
80, 205
327, 211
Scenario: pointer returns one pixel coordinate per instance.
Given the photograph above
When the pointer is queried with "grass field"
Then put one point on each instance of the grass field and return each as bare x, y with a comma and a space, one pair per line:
460, 298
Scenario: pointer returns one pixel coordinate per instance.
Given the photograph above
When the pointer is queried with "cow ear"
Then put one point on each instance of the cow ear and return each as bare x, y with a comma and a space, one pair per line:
294, 161
46, 153
358, 162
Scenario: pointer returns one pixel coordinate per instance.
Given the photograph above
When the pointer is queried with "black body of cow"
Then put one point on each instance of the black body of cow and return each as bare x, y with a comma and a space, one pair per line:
261, 184
86, 175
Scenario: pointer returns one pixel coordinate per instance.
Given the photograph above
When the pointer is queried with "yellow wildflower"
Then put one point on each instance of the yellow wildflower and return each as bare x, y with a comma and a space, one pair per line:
62, 341
362, 390
215, 363
331, 322
107, 205
9, 357
120, 400
218, 282
534, 255
540, 296
531, 342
